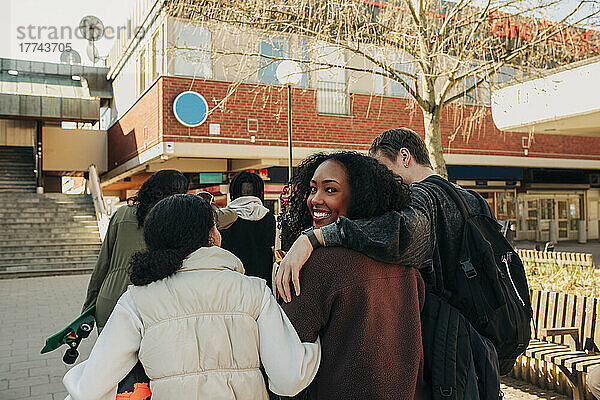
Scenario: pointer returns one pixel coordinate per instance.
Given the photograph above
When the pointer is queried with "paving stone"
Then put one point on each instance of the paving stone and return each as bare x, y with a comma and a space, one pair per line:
21, 373
17, 393
49, 388
29, 381
43, 397
59, 396
27, 364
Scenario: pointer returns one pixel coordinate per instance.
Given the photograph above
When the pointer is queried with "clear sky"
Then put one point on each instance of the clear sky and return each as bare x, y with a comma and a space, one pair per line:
18, 15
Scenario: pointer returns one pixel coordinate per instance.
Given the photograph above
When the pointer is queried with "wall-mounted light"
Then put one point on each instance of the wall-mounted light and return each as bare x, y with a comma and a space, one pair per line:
76, 77
13, 72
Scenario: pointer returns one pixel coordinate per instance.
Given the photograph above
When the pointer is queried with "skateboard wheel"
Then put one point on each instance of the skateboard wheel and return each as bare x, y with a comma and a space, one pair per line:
84, 330
70, 356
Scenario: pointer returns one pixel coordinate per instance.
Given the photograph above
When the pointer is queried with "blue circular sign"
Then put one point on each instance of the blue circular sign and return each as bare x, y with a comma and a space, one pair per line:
190, 109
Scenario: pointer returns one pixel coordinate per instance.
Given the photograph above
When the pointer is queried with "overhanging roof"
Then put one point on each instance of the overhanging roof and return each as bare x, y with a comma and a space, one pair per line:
52, 91
565, 102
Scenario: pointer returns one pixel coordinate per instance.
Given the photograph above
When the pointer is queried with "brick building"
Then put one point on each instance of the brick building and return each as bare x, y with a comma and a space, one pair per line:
545, 184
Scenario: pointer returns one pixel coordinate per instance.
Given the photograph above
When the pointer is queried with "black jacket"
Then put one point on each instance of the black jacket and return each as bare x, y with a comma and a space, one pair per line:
252, 242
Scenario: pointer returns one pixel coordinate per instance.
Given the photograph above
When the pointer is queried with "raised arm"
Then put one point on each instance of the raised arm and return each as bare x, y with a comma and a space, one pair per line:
401, 238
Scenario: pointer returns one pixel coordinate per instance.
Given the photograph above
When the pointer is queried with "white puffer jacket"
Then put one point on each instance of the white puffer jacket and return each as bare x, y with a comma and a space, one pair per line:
201, 334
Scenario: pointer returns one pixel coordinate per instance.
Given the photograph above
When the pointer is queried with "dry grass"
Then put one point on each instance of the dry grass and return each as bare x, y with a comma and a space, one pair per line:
578, 280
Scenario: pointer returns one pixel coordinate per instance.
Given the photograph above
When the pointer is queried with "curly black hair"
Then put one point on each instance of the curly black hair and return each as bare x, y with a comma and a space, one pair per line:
175, 227
374, 190
160, 185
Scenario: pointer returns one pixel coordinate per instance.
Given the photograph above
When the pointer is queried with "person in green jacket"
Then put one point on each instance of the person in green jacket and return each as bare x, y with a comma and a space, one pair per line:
124, 237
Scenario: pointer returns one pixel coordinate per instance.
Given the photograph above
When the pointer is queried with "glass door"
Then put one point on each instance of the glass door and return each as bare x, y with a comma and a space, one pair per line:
528, 218
563, 219
546, 215
574, 215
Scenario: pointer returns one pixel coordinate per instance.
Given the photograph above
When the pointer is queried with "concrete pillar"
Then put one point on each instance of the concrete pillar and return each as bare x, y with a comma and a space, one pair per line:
581, 231
553, 231
39, 174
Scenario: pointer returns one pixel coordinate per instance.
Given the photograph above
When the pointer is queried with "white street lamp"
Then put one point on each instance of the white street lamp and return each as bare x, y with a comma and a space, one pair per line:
289, 73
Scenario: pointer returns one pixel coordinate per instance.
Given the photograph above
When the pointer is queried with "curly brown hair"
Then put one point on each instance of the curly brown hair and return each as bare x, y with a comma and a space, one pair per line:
374, 190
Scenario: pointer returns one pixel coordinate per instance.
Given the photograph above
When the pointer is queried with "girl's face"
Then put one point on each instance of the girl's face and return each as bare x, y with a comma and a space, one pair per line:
329, 196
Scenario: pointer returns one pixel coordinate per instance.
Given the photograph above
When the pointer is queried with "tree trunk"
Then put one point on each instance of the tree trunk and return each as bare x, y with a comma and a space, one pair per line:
433, 141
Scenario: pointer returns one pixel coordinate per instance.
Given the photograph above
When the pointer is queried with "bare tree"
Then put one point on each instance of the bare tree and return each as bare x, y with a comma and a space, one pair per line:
448, 50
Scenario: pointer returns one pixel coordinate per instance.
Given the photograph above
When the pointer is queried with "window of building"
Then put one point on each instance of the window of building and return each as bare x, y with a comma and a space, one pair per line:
269, 49
332, 94
481, 94
193, 46
471, 97
142, 73
405, 63
156, 55
304, 55
505, 75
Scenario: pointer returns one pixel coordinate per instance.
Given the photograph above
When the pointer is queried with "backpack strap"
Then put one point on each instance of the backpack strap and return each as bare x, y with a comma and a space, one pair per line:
485, 206
473, 276
431, 273
454, 194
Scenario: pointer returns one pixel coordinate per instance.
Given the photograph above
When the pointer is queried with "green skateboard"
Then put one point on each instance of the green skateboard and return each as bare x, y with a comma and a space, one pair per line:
72, 335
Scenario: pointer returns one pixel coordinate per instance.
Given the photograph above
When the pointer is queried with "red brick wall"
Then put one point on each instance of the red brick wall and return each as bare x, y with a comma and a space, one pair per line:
126, 138
371, 115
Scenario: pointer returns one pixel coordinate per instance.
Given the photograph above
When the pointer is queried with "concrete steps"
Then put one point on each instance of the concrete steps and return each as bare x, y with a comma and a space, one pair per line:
46, 234
17, 165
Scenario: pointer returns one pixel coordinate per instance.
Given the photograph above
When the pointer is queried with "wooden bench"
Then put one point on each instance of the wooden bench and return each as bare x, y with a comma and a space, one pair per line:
532, 258
565, 336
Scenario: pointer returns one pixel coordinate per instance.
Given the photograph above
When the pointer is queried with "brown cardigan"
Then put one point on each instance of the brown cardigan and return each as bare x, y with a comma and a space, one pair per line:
367, 315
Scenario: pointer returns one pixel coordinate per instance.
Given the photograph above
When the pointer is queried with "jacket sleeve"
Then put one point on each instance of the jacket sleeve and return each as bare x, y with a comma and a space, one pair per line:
225, 217
401, 238
112, 357
290, 364
102, 264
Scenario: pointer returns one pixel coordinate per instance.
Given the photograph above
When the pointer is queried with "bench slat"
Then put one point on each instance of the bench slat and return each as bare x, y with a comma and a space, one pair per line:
589, 319
550, 317
570, 318
587, 365
535, 302
581, 358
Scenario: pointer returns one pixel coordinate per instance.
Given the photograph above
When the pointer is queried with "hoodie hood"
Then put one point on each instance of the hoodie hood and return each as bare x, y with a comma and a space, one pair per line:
249, 208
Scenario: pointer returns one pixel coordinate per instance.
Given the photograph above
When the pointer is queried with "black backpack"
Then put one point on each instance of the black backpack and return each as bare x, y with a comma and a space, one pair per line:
491, 296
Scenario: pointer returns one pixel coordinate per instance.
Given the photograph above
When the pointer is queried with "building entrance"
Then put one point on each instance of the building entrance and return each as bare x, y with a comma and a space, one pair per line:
544, 217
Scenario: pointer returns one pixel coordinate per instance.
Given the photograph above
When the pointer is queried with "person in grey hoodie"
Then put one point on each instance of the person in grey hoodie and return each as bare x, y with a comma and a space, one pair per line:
252, 236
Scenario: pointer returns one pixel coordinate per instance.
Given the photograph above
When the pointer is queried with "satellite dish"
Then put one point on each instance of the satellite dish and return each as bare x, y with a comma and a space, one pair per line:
92, 52
91, 28
70, 57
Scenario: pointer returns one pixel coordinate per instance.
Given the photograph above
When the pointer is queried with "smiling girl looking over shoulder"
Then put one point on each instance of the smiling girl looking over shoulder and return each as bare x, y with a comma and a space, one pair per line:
366, 313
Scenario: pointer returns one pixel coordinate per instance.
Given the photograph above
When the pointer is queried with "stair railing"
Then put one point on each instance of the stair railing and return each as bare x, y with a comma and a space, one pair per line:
102, 215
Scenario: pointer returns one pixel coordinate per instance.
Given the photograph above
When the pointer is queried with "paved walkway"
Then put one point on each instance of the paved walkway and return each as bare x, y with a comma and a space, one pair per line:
31, 309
